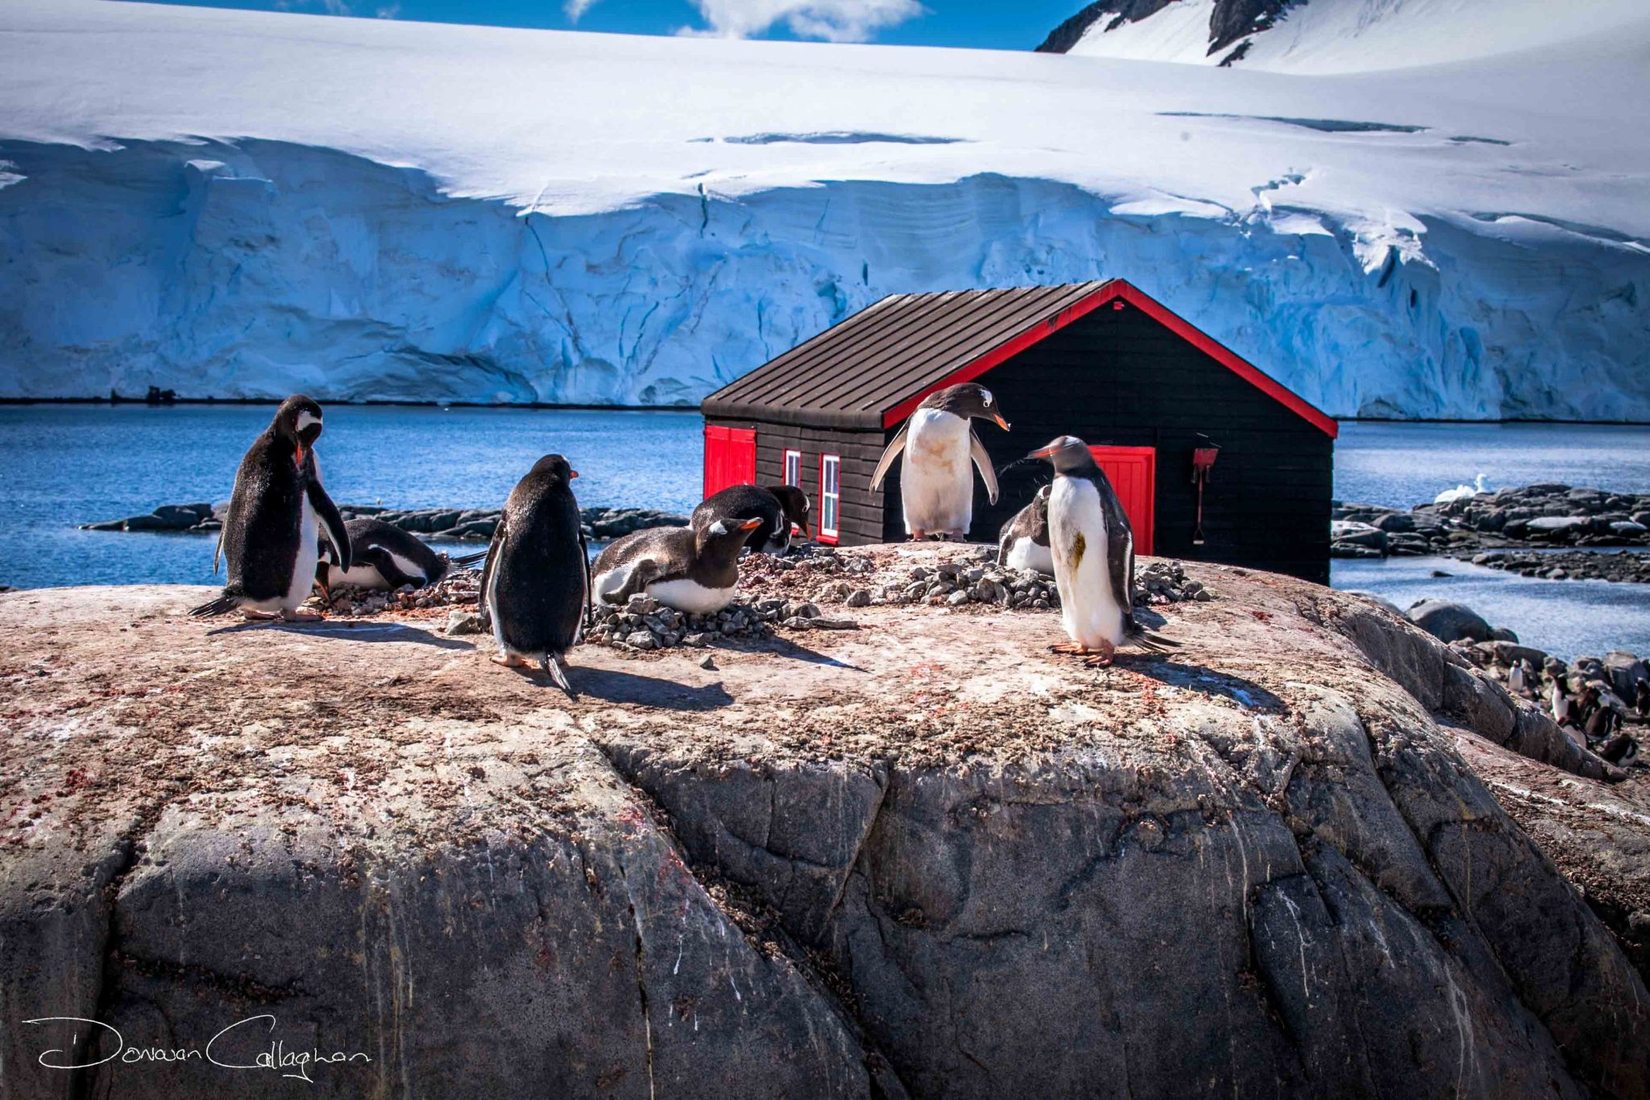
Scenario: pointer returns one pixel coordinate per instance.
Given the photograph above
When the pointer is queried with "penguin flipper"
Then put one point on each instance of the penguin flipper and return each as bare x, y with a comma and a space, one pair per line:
331, 522
217, 551
587, 612
889, 453
642, 574
988, 473
487, 571
382, 560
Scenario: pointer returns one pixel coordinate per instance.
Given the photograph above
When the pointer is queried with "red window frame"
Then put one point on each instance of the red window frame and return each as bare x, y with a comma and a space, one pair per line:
785, 468
830, 535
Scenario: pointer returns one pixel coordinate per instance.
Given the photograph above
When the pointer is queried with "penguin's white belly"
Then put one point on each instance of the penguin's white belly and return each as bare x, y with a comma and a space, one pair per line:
937, 482
689, 596
1023, 553
303, 568
1082, 572
360, 576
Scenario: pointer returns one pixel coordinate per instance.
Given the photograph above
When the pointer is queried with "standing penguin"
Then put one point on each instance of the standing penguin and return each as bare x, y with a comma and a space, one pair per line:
694, 570
936, 485
1023, 541
272, 531
1093, 550
777, 506
536, 583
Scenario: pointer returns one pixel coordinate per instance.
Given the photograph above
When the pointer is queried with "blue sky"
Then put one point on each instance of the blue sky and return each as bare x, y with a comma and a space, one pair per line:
987, 24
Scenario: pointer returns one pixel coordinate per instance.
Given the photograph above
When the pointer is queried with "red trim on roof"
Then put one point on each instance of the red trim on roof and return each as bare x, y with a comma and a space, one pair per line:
1121, 290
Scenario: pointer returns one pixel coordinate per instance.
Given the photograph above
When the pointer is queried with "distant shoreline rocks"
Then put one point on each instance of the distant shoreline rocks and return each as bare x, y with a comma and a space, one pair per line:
1488, 528
461, 524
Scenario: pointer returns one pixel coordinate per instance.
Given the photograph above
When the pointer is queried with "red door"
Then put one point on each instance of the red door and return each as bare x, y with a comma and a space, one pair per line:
730, 457
1133, 473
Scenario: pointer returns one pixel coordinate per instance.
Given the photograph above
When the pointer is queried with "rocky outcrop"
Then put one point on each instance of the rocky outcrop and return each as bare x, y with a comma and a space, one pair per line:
923, 857
437, 523
1230, 20
1501, 528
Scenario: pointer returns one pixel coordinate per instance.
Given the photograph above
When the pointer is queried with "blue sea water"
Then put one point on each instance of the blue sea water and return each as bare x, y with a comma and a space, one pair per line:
61, 465
69, 464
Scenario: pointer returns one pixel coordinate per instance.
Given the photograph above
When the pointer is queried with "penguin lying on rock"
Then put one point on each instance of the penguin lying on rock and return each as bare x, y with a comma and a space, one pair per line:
1093, 550
693, 571
382, 556
936, 484
776, 506
272, 531
535, 586
1023, 541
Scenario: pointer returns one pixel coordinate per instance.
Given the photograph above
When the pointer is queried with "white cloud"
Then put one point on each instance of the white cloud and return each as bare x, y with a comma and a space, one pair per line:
831, 20
576, 8
389, 11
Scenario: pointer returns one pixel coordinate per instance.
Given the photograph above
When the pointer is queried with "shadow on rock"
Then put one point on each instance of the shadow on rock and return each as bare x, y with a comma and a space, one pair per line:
1246, 693
625, 687
350, 632
784, 648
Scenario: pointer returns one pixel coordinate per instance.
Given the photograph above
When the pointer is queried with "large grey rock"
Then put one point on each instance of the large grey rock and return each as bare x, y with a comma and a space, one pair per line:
991, 872
1450, 622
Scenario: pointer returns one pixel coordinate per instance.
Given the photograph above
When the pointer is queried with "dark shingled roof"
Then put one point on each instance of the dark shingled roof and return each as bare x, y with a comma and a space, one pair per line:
853, 372
869, 370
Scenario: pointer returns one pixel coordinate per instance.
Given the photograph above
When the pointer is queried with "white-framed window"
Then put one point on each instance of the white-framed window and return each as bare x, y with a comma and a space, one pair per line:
830, 497
793, 468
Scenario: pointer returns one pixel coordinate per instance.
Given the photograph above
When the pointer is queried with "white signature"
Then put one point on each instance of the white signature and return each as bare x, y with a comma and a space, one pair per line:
289, 1063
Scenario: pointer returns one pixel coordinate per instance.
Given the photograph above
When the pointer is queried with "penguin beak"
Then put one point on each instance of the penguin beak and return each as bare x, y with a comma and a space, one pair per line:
1001, 423
1044, 452
571, 474
750, 525
298, 452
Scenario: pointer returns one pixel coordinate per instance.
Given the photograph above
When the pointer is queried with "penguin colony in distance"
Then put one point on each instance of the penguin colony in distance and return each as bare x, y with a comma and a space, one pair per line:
271, 533
694, 570
776, 506
381, 556
1023, 541
1093, 549
535, 586
938, 440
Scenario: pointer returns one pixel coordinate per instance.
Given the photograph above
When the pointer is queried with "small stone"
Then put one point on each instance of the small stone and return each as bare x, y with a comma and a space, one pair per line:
707, 661
859, 598
698, 639
956, 599
806, 611
463, 622
641, 639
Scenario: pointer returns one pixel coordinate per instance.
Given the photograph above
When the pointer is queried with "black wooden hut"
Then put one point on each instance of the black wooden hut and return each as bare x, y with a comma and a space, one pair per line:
1154, 397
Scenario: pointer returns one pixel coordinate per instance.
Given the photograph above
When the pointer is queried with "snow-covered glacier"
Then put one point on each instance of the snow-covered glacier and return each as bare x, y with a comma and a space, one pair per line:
240, 205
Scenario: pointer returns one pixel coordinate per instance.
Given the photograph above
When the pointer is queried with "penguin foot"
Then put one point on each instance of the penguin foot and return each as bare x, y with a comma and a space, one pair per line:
1101, 659
302, 615
253, 615
1066, 647
509, 660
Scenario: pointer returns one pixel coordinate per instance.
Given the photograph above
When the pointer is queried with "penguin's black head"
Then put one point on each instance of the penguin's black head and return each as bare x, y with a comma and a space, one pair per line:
795, 504
299, 419
1065, 453
556, 467
967, 400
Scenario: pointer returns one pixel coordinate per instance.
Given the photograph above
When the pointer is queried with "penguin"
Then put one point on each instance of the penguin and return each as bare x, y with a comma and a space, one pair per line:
382, 556
272, 531
1093, 550
1023, 542
777, 506
693, 570
535, 587
936, 485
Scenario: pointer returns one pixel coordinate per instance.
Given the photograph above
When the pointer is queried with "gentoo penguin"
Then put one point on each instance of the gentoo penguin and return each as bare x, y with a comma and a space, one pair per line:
1093, 550
1023, 542
382, 555
777, 506
694, 571
936, 485
535, 586
272, 531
